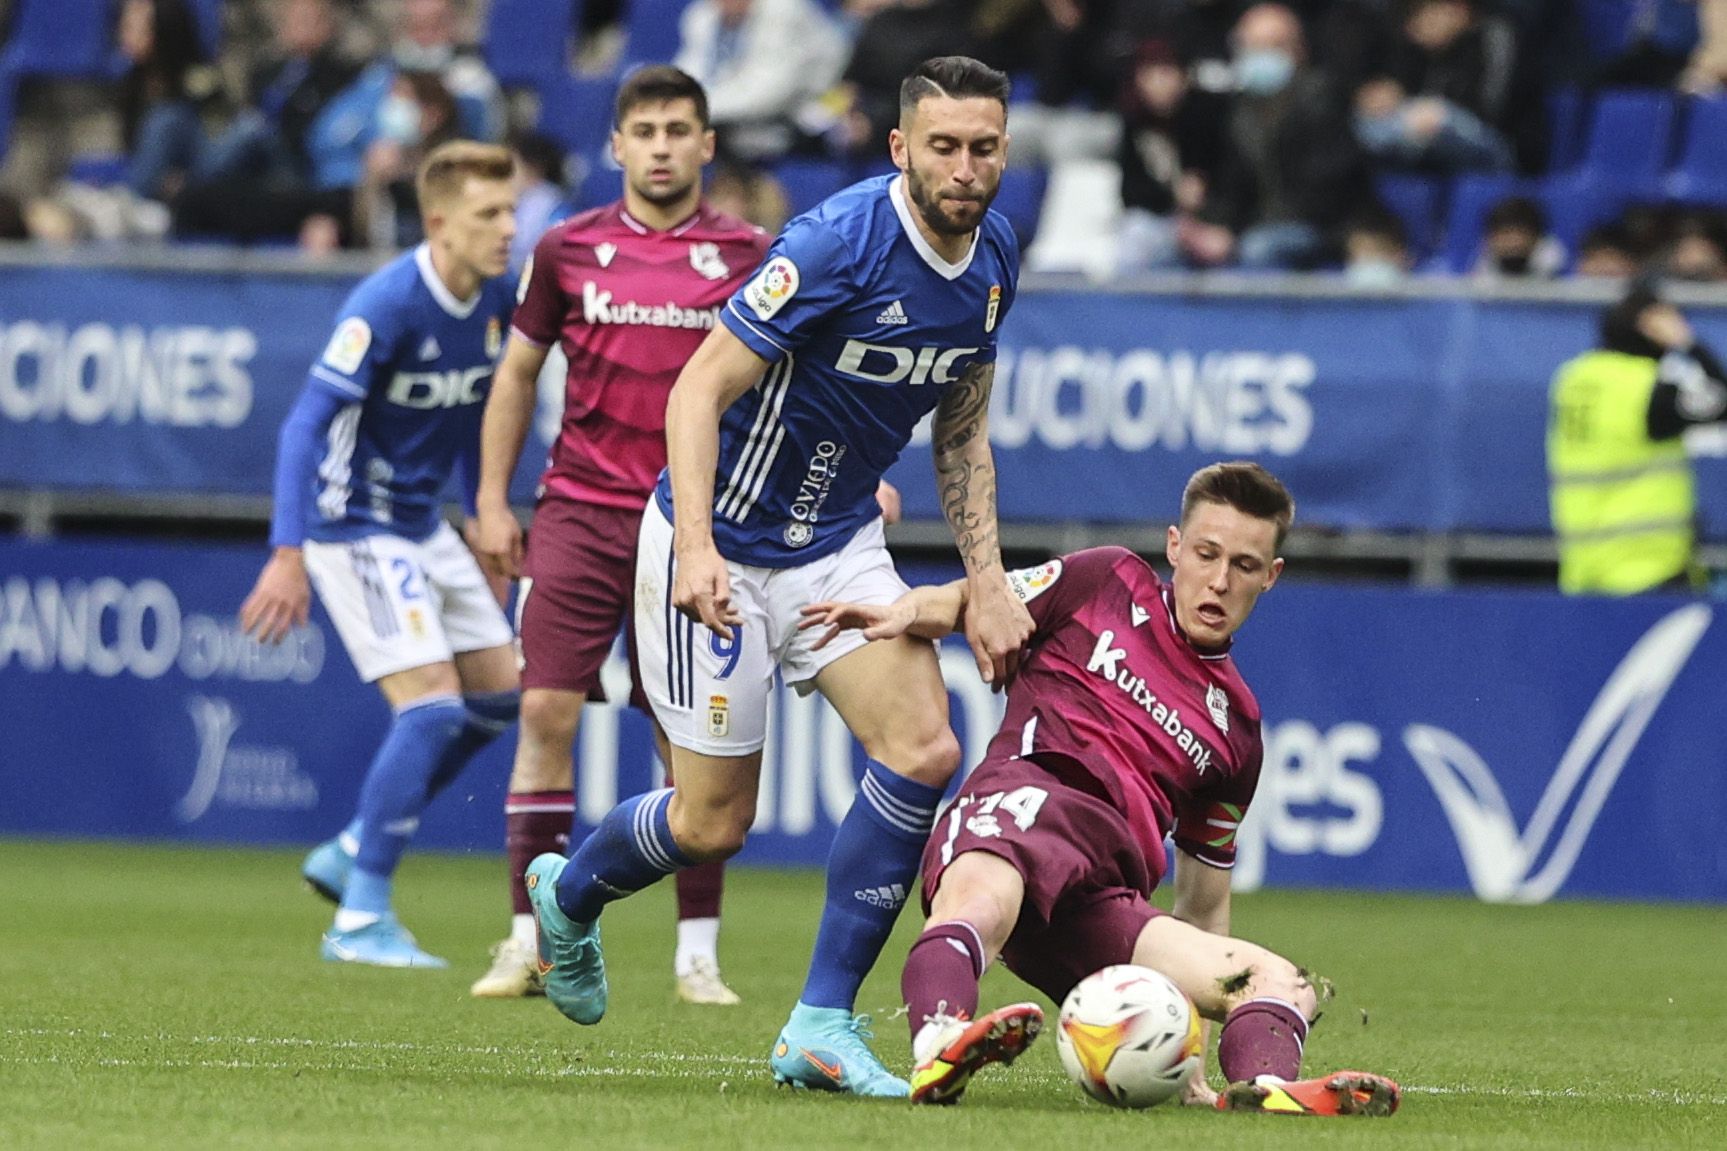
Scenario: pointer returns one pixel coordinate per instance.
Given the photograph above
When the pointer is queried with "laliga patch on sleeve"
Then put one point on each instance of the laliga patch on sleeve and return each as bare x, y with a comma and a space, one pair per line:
527, 274
776, 283
1029, 583
348, 347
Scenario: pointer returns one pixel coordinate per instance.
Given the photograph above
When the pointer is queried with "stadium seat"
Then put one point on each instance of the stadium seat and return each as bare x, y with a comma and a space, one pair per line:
208, 14
1700, 176
576, 111
1576, 202
651, 31
807, 182
67, 39
1021, 201
1415, 200
1630, 131
1471, 199
527, 42
1567, 111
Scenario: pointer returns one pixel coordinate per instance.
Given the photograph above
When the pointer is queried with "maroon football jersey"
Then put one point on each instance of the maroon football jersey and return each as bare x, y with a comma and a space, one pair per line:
628, 305
1113, 689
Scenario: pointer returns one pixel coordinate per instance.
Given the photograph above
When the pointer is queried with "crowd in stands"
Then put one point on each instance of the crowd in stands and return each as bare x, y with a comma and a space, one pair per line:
1504, 139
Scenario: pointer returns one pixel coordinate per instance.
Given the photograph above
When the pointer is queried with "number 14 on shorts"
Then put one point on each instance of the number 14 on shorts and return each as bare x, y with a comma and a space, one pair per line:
981, 814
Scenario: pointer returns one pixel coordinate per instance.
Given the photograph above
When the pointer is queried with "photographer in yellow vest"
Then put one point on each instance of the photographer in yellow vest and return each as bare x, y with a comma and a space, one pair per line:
1623, 497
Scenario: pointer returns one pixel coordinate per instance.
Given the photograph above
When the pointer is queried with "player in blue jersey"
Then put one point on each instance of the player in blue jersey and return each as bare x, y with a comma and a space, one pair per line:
881, 305
389, 412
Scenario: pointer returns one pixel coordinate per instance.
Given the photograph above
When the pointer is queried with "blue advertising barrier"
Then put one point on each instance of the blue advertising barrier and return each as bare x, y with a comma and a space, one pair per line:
1392, 414
1514, 745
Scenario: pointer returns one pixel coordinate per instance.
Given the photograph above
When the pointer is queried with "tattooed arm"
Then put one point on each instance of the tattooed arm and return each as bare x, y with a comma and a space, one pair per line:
997, 625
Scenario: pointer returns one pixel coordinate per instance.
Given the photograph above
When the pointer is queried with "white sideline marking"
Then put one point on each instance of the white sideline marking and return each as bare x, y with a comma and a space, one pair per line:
531, 1062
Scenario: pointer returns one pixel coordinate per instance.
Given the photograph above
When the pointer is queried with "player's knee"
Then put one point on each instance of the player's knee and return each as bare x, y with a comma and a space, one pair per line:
930, 759
551, 717
1274, 977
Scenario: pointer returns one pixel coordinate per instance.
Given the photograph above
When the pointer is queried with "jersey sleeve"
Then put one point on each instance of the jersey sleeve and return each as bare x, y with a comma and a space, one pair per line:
806, 275
1206, 824
360, 350
1051, 591
541, 303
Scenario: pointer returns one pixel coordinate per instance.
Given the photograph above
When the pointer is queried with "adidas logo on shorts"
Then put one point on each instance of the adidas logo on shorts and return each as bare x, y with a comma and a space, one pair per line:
881, 896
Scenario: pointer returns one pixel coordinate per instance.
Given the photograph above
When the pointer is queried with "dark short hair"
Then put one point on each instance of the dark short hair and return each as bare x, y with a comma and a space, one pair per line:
659, 84
1517, 212
960, 77
1620, 330
1377, 220
1244, 486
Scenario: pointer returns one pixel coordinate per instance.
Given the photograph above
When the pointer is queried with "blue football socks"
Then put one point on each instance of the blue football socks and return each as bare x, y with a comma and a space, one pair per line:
871, 868
395, 794
632, 848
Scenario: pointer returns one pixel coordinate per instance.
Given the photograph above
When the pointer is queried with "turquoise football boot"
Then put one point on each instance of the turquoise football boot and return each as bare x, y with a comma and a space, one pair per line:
385, 943
570, 961
823, 1048
326, 870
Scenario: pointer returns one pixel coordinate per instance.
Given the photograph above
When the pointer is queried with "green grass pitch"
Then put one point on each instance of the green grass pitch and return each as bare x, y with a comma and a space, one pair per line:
154, 997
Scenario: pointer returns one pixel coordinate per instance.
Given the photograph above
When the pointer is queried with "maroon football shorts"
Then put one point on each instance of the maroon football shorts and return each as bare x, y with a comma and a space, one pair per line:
579, 576
1086, 882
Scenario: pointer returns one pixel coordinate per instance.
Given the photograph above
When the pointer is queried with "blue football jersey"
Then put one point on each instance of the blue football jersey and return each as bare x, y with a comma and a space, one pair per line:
412, 365
865, 327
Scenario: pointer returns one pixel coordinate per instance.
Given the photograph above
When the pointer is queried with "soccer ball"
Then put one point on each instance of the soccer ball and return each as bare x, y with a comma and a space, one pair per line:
1128, 1036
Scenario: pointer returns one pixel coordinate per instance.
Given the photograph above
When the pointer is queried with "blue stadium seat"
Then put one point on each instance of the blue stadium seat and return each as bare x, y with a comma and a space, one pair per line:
1021, 200
527, 42
1567, 111
1700, 176
1471, 199
70, 39
208, 14
576, 111
1630, 133
651, 31
1416, 201
1575, 202
807, 182
1611, 27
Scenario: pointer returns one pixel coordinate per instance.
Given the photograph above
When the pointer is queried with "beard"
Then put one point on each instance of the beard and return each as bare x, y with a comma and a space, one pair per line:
929, 206
660, 197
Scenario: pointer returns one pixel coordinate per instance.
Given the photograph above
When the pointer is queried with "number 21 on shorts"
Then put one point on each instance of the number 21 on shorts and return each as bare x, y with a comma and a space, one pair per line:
1022, 804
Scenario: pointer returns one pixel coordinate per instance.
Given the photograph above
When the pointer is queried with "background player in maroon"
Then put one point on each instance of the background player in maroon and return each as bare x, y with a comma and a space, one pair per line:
1127, 722
627, 291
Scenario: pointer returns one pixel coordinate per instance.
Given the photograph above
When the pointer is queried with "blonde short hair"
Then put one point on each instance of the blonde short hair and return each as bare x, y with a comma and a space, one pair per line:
450, 165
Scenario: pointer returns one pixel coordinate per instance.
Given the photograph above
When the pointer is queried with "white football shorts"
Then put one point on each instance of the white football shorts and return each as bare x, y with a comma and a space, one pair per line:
399, 604
711, 695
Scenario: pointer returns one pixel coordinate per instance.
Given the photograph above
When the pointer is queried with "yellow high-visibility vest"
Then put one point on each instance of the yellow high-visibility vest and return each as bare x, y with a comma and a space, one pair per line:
1623, 504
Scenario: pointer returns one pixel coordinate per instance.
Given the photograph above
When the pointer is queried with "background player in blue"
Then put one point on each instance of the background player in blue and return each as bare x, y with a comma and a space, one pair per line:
390, 410
874, 309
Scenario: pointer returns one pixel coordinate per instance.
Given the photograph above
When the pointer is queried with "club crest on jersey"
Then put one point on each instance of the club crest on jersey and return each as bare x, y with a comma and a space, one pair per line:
1217, 703
494, 338
706, 260
797, 535
347, 350
603, 252
768, 292
1029, 583
989, 313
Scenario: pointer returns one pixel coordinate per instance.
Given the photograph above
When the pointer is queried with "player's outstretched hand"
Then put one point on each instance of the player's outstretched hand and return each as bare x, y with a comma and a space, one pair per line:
703, 591
281, 600
1196, 1092
998, 627
495, 537
876, 621
888, 497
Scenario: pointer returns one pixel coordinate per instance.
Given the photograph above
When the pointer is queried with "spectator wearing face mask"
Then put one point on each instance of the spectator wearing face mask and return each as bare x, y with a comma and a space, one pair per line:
418, 115
1376, 250
428, 39
1291, 173
1516, 244
1698, 252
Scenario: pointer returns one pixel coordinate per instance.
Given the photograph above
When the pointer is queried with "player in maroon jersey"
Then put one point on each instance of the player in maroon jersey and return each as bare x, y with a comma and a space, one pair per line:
1127, 721
627, 291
